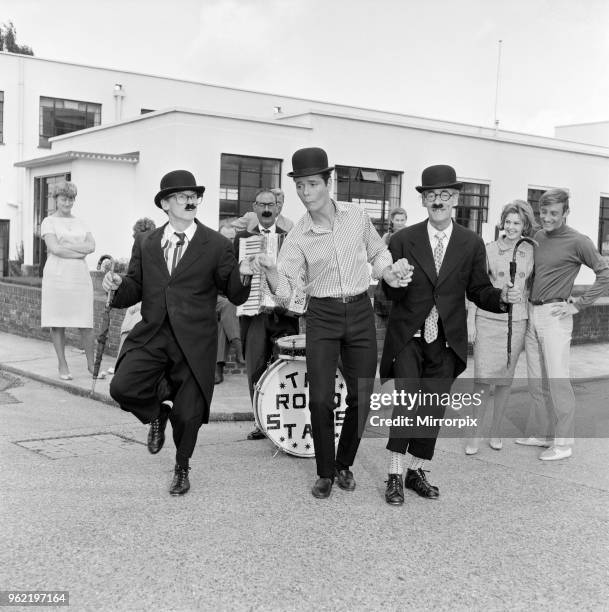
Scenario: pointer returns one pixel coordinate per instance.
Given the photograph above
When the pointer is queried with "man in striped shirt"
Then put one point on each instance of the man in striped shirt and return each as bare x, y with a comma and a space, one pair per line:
330, 248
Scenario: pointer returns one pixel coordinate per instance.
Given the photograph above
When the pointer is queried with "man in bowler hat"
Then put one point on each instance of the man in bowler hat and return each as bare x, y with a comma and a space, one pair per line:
176, 271
330, 246
426, 341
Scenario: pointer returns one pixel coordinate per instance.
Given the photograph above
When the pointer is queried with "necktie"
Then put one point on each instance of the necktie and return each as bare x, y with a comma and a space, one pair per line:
177, 249
266, 231
430, 330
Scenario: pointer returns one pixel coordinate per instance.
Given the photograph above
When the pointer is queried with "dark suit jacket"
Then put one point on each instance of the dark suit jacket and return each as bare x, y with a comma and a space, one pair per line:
187, 298
463, 273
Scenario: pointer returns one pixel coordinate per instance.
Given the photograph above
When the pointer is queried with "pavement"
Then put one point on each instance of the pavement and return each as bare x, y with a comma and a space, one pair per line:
85, 509
36, 359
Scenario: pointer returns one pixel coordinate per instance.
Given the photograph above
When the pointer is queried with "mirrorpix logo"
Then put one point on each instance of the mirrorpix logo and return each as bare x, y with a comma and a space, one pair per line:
412, 401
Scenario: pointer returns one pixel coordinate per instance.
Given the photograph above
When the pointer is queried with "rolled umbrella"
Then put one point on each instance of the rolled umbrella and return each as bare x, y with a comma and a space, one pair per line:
103, 335
533, 243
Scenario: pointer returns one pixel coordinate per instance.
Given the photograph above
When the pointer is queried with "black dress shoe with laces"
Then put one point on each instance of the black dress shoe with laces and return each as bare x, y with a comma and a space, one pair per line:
180, 483
344, 479
156, 433
322, 488
394, 493
256, 434
417, 481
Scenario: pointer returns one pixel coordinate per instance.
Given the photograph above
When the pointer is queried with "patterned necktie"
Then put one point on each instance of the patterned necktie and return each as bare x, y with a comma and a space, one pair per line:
430, 330
177, 249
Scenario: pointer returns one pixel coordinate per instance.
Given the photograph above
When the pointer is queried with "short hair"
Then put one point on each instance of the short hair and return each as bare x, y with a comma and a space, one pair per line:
277, 191
143, 225
397, 211
265, 190
555, 196
101, 260
524, 211
226, 225
63, 188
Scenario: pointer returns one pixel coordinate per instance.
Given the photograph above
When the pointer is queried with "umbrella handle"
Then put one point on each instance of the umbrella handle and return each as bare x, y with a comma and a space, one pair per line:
512, 271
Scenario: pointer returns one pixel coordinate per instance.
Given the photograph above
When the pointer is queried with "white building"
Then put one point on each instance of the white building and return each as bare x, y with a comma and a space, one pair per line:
235, 141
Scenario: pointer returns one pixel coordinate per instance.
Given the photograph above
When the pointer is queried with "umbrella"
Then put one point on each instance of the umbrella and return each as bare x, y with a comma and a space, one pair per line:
103, 335
512, 278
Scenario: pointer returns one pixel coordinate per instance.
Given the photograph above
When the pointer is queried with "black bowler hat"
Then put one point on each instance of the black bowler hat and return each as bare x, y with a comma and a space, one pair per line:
177, 180
309, 161
437, 177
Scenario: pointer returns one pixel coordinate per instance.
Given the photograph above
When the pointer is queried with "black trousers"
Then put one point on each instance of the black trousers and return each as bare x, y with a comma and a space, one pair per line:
258, 335
429, 369
347, 330
135, 386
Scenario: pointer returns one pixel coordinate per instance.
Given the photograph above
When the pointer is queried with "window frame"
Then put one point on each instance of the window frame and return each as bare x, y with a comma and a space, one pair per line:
43, 139
481, 211
1, 117
265, 179
378, 209
603, 218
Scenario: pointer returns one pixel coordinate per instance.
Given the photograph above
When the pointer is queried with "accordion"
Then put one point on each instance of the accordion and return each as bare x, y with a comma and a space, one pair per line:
261, 299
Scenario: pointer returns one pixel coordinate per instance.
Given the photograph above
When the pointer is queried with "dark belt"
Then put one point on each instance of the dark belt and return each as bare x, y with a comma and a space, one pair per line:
548, 301
345, 299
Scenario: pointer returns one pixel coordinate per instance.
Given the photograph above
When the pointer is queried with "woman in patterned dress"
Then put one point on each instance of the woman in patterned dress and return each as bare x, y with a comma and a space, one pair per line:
488, 331
67, 289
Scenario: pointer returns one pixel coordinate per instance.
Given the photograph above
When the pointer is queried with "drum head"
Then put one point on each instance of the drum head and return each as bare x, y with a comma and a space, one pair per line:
292, 347
281, 404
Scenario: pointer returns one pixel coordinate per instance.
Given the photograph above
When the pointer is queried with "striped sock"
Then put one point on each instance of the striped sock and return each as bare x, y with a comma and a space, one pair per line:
397, 465
416, 463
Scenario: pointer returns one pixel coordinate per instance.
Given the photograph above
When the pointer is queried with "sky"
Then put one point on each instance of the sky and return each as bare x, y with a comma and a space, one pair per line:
429, 58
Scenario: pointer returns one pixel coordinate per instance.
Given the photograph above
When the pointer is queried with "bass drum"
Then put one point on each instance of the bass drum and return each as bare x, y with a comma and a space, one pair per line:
281, 407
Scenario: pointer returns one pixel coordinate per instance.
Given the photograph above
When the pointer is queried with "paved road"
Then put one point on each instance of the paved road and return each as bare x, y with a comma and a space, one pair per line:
85, 508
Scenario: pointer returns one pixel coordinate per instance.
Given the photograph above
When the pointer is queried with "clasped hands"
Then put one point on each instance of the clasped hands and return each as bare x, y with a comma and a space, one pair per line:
510, 294
398, 274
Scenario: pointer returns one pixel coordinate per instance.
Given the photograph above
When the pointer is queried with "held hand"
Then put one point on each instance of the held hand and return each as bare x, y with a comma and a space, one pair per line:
246, 266
263, 263
564, 309
398, 274
111, 281
510, 294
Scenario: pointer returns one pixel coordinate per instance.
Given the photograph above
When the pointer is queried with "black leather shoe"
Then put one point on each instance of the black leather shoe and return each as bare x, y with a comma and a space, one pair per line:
156, 433
256, 434
219, 374
394, 493
344, 479
417, 481
180, 483
322, 488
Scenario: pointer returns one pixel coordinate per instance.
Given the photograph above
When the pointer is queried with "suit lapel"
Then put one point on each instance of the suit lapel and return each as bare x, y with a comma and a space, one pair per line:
453, 254
422, 253
194, 251
154, 250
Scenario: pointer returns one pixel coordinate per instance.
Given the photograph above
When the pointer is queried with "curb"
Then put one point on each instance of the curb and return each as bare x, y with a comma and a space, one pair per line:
219, 417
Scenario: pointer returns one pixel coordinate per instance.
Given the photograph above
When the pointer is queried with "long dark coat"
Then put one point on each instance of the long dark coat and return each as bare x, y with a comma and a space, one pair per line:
187, 297
463, 273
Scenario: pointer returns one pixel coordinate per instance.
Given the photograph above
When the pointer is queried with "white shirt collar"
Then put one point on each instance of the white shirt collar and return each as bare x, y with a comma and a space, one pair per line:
272, 229
432, 231
168, 234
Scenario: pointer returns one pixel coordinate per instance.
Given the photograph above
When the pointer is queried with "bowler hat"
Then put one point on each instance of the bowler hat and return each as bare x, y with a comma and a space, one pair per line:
177, 180
309, 161
437, 177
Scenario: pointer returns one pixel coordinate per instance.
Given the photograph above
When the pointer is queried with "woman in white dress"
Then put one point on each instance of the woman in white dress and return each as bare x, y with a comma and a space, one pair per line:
67, 289
488, 331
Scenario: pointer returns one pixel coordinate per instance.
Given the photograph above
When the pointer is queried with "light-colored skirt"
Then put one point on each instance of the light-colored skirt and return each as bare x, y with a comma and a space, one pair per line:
490, 350
67, 293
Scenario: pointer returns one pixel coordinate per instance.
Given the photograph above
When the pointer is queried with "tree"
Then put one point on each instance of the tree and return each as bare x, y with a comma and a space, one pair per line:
8, 40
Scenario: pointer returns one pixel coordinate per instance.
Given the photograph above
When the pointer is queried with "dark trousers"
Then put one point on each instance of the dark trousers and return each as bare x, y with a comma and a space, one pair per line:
258, 335
428, 368
347, 330
135, 386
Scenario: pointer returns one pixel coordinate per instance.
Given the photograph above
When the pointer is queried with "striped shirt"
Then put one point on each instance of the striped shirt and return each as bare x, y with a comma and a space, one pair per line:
332, 262
168, 243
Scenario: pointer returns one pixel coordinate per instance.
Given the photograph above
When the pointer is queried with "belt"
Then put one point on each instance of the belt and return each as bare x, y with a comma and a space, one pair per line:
548, 301
345, 299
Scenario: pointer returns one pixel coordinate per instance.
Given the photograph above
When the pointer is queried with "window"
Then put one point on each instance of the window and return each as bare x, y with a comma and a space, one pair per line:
472, 209
59, 117
533, 196
144, 111
377, 191
1, 116
44, 205
240, 177
603, 226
